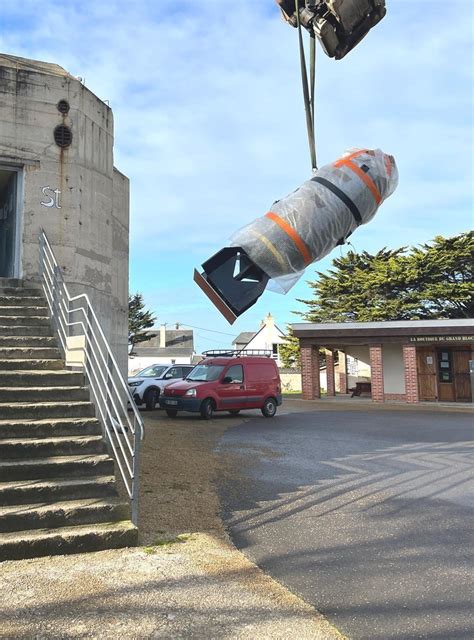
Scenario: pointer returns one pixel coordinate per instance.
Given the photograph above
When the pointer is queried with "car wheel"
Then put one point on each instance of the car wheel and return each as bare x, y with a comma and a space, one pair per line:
207, 409
234, 412
269, 407
151, 398
171, 413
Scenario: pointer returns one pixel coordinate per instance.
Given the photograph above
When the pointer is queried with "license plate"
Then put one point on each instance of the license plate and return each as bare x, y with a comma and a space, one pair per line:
171, 402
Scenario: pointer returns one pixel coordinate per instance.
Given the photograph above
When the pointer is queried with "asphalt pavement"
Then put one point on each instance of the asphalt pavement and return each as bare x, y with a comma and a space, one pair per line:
366, 514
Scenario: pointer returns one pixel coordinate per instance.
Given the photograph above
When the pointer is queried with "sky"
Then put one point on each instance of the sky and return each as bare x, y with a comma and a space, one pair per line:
210, 128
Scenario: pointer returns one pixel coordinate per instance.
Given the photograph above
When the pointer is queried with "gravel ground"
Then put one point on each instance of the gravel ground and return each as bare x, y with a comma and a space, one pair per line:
186, 580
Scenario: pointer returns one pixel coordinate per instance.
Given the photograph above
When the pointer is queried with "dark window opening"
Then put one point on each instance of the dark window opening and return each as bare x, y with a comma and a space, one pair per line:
8, 222
63, 106
62, 136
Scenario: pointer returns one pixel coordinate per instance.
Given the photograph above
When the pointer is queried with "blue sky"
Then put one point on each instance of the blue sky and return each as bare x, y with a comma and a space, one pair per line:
209, 125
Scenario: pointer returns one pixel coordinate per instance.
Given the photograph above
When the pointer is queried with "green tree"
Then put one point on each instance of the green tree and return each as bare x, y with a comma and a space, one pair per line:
431, 281
290, 350
139, 319
444, 271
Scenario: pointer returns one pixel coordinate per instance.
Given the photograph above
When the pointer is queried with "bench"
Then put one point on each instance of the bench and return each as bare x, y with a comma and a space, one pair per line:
361, 387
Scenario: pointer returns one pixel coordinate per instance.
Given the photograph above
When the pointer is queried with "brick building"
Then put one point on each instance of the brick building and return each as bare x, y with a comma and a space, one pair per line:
410, 361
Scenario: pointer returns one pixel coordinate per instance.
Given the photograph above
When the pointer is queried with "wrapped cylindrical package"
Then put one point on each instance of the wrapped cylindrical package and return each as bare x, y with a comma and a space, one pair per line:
307, 224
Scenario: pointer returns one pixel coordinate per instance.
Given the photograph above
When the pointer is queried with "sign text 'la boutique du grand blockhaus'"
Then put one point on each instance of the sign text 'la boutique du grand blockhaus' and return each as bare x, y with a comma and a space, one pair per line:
57, 173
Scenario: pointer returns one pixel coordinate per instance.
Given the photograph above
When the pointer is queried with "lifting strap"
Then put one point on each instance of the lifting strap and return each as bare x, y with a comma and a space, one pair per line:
308, 89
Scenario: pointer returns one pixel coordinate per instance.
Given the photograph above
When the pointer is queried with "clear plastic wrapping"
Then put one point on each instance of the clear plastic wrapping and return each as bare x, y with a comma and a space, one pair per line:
307, 224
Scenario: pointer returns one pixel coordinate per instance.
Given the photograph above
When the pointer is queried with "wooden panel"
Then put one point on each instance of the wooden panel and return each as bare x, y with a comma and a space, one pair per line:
446, 391
426, 368
462, 380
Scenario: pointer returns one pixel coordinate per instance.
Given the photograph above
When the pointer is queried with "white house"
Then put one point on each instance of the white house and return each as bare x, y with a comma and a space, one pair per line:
164, 346
268, 337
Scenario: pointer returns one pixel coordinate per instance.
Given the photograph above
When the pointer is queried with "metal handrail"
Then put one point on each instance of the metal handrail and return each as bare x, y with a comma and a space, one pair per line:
74, 316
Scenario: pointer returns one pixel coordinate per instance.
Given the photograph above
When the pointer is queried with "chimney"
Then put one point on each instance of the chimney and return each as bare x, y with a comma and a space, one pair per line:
269, 320
162, 336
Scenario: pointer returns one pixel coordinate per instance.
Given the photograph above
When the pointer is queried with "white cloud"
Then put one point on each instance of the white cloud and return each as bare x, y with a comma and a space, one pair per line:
209, 117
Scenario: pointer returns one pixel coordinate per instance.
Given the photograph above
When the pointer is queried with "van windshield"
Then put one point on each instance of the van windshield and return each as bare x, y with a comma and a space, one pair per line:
205, 372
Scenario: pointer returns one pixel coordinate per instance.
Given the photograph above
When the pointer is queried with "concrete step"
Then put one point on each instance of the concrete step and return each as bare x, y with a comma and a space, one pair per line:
42, 394
20, 292
69, 513
30, 321
80, 539
57, 467
28, 341
22, 311
38, 378
38, 410
49, 428
22, 330
19, 364
22, 300
25, 353
11, 282
21, 449
57, 489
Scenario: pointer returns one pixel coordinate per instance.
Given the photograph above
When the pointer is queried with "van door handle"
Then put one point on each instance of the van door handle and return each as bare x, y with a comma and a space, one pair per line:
242, 386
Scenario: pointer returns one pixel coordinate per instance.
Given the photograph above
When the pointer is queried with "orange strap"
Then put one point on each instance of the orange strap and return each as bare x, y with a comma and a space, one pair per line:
347, 161
303, 249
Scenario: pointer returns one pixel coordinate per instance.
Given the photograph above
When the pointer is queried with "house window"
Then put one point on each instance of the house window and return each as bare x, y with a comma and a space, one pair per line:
275, 350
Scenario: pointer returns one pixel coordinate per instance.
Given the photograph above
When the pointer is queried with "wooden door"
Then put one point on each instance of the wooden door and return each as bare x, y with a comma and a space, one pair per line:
445, 375
462, 380
426, 368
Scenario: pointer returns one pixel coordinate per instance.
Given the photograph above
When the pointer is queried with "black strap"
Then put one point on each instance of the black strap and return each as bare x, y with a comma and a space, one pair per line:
342, 196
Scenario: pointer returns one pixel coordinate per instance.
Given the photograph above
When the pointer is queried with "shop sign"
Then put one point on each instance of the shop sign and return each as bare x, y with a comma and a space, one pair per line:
441, 339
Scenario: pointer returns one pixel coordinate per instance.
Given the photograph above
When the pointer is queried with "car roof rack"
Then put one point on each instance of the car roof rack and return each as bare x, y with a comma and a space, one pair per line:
234, 353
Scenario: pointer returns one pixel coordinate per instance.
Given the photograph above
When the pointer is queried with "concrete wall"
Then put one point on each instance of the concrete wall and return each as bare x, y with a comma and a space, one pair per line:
393, 368
87, 225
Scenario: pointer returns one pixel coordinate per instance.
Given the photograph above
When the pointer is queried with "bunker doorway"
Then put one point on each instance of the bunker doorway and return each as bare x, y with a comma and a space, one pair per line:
9, 223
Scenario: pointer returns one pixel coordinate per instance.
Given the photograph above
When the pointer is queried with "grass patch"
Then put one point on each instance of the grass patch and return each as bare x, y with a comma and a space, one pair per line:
166, 541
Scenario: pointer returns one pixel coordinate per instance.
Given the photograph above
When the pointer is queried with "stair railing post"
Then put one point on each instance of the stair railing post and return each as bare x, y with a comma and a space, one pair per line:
56, 294
136, 477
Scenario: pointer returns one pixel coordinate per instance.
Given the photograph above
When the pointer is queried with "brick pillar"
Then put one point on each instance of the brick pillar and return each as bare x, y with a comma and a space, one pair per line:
310, 371
376, 373
331, 382
411, 377
342, 372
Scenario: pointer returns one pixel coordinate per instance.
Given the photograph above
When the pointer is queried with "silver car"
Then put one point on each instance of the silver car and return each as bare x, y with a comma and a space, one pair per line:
147, 385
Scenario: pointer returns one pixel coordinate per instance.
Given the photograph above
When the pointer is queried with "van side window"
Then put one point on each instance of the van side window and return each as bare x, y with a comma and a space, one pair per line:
236, 373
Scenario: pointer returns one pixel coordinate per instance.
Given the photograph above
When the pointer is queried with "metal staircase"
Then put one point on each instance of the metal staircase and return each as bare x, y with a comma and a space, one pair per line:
57, 485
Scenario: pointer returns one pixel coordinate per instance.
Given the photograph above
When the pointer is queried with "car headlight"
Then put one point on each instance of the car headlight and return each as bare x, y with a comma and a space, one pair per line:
135, 384
191, 392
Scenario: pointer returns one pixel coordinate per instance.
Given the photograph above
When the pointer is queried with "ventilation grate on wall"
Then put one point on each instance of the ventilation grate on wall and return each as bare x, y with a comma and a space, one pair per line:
62, 136
63, 106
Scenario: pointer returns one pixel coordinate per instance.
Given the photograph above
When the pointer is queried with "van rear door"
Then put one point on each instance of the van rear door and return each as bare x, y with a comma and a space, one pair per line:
261, 382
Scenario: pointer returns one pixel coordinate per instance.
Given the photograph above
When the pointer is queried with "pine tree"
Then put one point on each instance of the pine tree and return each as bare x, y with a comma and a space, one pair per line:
139, 319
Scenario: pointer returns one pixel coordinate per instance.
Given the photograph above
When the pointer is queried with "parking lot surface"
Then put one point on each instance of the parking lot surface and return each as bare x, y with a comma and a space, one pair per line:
366, 514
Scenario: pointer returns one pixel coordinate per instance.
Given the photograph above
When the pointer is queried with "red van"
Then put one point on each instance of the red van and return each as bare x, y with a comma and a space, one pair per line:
226, 383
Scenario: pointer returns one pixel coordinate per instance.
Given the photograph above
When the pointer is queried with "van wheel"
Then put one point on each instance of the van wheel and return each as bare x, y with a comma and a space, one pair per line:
171, 413
234, 412
269, 407
151, 398
207, 409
